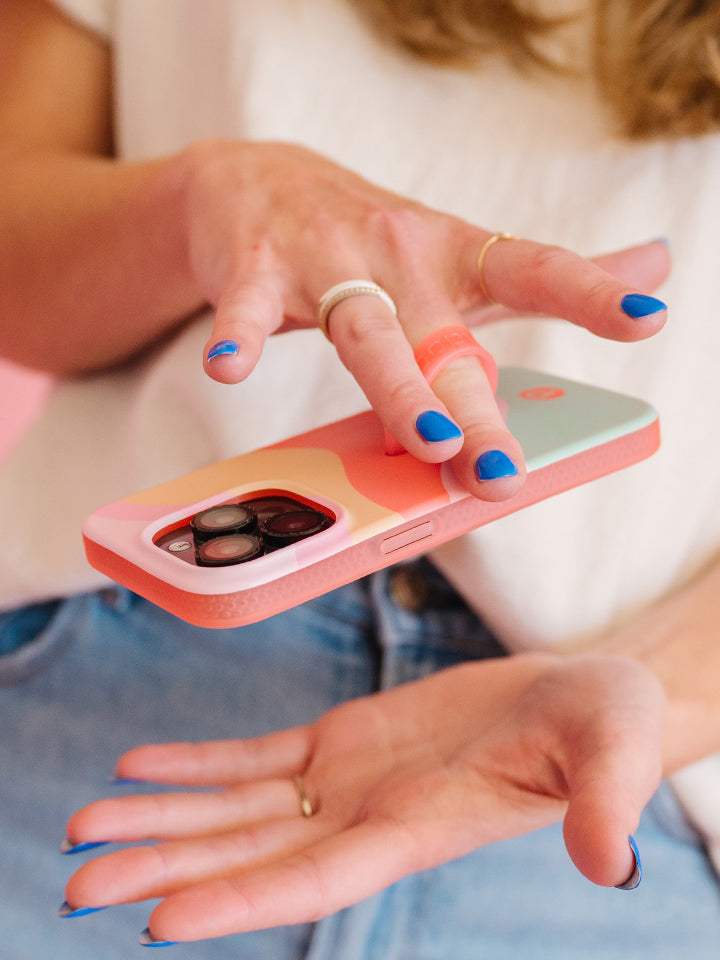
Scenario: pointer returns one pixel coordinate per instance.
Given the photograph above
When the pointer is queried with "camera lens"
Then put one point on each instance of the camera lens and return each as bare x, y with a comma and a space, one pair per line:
227, 550
286, 528
266, 507
223, 520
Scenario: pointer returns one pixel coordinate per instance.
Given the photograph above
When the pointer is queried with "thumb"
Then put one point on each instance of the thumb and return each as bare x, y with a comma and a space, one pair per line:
609, 788
245, 316
598, 830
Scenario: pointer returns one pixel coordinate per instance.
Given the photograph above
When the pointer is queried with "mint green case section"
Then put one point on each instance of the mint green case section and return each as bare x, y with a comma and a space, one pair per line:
584, 417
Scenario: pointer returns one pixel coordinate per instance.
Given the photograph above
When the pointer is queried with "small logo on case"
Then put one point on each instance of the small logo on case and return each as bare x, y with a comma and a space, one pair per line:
542, 393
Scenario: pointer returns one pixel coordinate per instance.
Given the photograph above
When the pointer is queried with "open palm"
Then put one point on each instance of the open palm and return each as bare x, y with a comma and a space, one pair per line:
398, 782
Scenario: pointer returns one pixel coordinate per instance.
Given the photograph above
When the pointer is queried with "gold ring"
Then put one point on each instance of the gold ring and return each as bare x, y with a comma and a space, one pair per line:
350, 288
481, 259
305, 806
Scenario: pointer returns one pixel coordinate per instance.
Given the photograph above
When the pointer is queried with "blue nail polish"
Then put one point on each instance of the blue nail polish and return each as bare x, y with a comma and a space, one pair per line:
146, 939
637, 305
67, 846
223, 348
494, 464
635, 877
66, 911
433, 427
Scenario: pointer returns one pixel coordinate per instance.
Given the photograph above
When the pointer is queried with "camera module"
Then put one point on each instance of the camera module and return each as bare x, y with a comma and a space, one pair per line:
236, 532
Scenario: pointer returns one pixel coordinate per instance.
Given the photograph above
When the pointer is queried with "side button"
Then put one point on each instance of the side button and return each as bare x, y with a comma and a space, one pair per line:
399, 540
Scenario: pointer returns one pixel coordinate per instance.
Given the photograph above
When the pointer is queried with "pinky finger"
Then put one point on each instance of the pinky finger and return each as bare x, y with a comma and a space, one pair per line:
245, 317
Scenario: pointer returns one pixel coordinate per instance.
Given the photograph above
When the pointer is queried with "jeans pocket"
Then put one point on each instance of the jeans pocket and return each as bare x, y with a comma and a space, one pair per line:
31, 639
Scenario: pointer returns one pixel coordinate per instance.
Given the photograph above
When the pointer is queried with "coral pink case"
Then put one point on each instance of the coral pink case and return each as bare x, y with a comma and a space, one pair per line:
385, 508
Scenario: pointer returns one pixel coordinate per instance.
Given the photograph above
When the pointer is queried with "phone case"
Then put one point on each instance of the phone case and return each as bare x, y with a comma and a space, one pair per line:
377, 509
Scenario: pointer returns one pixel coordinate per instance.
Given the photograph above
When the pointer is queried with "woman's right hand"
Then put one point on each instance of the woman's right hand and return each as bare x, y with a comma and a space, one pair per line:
103, 259
271, 227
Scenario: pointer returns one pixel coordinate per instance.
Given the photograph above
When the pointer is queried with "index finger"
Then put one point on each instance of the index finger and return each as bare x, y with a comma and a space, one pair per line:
218, 762
528, 278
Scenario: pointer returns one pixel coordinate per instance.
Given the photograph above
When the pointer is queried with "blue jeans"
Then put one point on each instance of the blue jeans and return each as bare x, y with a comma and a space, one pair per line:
86, 678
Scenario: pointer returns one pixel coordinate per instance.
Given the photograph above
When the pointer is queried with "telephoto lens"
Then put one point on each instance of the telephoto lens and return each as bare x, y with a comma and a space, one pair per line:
227, 550
272, 504
224, 520
287, 528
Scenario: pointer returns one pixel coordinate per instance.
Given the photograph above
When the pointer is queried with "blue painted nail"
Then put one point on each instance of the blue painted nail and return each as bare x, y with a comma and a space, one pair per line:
635, 877
146, 939
67, 846
66, 911
494, 464
637, 305
433, 427
223, 348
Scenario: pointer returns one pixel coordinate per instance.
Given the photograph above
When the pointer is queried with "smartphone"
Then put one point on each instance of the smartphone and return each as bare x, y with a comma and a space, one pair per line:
254, 535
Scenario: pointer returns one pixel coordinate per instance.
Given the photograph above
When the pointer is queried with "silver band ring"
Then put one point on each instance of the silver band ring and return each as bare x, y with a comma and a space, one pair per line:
305, 806
350, 288
481, 260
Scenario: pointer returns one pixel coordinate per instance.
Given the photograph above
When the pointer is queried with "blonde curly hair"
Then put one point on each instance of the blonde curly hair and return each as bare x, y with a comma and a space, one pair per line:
656, 62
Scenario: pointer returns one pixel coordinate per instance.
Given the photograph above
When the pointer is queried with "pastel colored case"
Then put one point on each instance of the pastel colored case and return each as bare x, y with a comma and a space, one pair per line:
385, 508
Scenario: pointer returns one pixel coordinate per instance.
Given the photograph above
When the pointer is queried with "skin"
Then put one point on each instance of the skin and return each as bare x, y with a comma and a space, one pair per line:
412, 776
400, 781
245, 228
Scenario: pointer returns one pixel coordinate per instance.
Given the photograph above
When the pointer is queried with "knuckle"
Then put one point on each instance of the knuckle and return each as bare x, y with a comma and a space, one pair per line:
360, 326
310, 875
157, 862
403, 232
483, 427
402, 395
546, 257
601, 290
545, 263
249, 306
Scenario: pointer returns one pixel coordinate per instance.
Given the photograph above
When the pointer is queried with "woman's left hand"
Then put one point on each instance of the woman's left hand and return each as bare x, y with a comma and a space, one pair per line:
398, 782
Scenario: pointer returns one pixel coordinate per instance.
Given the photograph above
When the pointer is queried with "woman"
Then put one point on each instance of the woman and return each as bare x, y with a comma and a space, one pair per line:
106, 273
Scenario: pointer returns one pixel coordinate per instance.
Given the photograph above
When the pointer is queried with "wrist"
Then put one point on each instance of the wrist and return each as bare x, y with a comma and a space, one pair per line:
675, 640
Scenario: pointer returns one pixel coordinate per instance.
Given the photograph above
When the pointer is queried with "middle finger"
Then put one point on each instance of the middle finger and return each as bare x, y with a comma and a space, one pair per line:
378, 349
165, 816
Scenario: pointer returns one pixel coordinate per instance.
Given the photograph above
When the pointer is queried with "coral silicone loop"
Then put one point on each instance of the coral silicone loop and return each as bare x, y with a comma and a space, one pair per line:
435, 352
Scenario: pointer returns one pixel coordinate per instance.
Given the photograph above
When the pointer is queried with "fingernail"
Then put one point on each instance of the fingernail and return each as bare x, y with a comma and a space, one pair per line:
146, 939
223, 348
635, 877
67, 911
433, 427
494, 464
67, 846
121, 781
637, 305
